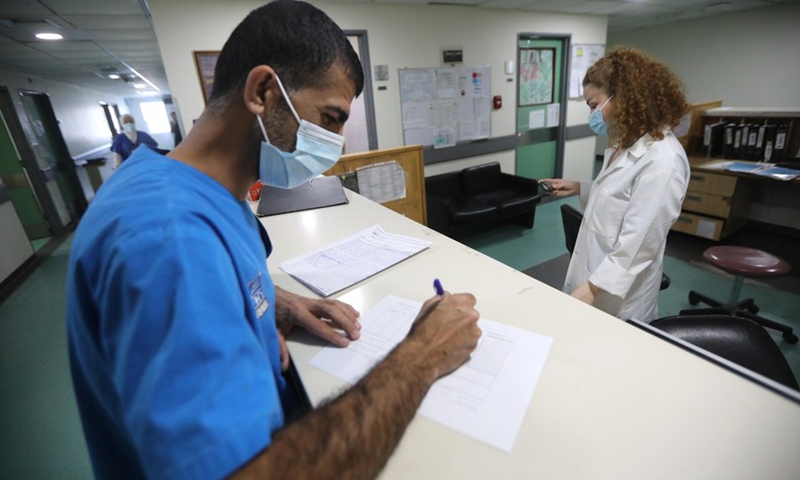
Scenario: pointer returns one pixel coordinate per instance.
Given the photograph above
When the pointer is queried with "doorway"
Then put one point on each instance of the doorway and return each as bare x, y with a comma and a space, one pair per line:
541, 104
52, 156
360, 130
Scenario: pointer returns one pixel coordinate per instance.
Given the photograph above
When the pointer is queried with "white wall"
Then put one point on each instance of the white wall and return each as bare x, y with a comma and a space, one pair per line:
81, 119
746, 59
401, 36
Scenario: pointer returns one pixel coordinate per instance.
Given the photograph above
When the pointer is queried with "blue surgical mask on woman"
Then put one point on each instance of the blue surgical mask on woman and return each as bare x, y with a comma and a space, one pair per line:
316, 150
596, 121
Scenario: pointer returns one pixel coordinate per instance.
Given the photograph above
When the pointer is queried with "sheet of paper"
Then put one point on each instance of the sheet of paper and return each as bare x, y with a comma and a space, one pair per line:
347, 262
485, 399
382, 182
536, 119
553, 114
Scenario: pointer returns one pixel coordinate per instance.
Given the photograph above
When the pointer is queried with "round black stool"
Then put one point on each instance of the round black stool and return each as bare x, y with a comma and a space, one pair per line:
742, 262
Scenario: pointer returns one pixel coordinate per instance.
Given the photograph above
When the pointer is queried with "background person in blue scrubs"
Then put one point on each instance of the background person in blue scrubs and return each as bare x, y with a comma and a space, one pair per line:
173, 319
129, 140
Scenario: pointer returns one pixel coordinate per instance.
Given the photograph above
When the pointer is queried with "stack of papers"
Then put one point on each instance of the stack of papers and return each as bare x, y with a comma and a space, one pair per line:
763, 169
345, 263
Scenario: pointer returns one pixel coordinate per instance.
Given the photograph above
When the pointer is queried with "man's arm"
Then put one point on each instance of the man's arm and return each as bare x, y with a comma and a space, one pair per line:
353, 436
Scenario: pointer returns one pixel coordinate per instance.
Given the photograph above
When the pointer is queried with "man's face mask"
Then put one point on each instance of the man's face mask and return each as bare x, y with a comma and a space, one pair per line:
129, 127
316, 150
596, 122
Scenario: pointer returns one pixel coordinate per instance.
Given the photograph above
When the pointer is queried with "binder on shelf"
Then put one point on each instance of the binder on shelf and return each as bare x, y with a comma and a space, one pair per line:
727, 147
769, 142
752, 136
713, 138
737, 141
758, 153
780, 142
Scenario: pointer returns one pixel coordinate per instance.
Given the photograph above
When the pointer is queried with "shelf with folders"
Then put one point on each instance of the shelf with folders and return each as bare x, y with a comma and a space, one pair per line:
757, 135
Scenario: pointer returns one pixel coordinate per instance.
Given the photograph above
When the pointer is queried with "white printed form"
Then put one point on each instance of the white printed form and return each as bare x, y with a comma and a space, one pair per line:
485, 399
338, 266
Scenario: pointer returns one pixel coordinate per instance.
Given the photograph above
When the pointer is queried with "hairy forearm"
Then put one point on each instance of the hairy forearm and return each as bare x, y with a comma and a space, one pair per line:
353, 436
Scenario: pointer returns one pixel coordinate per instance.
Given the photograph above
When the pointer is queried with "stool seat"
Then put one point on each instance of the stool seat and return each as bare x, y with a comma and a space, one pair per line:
747, 262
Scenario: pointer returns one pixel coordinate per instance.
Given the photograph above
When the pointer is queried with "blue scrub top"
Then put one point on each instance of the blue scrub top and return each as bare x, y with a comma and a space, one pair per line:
172, 339
123, 146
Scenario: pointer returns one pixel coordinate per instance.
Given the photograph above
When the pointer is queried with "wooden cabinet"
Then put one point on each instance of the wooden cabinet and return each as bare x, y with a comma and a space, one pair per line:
715, 205
717, 202
411, 200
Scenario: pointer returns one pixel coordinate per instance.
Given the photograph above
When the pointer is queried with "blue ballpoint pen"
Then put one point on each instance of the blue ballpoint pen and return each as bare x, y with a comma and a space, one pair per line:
437, 286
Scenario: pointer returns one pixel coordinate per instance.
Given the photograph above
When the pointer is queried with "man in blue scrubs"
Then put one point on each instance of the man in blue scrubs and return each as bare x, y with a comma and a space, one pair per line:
173, 318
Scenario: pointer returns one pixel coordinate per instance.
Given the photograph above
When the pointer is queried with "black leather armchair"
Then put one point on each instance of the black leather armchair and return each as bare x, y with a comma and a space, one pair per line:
478, 196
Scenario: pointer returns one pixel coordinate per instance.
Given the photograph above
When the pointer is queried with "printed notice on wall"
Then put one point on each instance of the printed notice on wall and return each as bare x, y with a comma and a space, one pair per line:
382, 182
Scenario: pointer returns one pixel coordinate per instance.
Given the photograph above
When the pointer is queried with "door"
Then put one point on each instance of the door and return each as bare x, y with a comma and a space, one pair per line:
44, 135
360, 131
541, 105
18, 185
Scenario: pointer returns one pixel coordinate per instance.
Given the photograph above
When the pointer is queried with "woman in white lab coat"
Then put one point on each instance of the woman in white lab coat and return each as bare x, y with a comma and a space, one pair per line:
629, 208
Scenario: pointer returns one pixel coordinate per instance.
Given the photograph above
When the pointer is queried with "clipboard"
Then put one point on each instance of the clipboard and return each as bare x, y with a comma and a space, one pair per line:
317, 193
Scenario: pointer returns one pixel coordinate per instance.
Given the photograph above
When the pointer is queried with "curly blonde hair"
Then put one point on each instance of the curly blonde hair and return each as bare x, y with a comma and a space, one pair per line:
648, 97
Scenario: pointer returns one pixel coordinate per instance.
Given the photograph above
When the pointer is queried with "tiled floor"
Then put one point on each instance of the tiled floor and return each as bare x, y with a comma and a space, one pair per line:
40, 432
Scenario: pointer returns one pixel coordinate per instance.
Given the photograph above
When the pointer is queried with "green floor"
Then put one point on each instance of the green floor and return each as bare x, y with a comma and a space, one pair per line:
40, 432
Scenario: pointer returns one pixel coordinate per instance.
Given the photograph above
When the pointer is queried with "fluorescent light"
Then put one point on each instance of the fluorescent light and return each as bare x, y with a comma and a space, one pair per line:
114, 76
139, 85
48, 36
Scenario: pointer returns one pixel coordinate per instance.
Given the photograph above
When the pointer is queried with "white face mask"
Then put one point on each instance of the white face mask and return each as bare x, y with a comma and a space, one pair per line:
129, 127
316, 151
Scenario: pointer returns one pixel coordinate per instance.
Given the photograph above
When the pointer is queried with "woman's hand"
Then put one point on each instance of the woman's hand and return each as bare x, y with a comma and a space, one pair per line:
562, 188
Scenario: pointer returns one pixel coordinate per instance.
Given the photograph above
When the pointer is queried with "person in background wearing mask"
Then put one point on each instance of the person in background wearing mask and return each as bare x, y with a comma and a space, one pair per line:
173, 319
631, 205
127, 141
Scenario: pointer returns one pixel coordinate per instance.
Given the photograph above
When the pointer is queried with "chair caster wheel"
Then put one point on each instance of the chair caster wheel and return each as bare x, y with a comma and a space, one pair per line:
693, 299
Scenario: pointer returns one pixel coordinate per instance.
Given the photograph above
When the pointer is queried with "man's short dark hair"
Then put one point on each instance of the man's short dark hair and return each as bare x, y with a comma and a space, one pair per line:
299, 41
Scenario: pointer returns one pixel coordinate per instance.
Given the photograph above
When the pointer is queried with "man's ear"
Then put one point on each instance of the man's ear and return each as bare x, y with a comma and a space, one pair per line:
261, 91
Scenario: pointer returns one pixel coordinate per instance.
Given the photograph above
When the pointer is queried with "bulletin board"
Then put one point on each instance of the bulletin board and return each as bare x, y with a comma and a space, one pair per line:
582, 57
442, 106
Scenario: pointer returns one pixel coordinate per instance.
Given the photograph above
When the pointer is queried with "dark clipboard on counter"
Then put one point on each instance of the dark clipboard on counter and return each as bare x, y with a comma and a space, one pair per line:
317, 193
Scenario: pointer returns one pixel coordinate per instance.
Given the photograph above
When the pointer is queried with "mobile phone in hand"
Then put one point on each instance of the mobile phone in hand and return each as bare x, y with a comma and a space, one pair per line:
546, 187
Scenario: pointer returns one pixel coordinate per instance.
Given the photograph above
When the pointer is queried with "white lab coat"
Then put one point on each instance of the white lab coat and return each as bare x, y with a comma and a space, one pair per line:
628, 211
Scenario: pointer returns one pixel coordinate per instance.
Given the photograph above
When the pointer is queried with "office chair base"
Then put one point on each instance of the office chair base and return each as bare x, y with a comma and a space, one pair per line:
747, 304
786, 331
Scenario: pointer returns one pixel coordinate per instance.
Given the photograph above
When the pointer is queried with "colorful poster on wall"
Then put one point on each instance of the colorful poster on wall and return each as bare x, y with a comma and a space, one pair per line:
536, 76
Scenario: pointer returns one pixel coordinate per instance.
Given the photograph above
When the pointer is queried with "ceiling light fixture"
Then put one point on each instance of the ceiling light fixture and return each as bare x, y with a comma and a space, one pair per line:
139, 85
113, 76
48, 36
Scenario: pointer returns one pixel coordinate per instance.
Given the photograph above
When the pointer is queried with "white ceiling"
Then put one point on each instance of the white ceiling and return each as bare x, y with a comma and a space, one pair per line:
105, 35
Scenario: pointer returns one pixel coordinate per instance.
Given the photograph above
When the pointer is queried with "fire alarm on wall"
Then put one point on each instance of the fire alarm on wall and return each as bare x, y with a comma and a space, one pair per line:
497, 102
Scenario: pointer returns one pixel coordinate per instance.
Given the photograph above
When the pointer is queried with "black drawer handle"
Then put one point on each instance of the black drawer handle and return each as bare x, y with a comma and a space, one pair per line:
684, 220
693, 198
